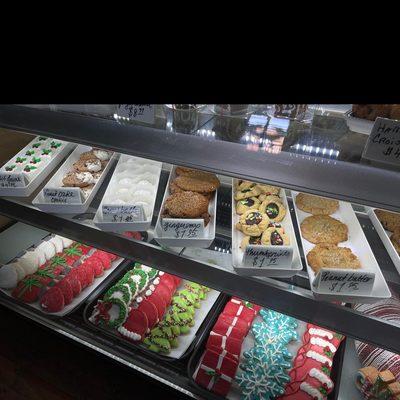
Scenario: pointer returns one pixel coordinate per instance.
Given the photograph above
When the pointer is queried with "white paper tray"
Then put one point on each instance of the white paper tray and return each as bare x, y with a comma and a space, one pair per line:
27, 190
76, 301
209, 230
359, 246
56, 181
139, 226
385, 237
237, 253
359, 125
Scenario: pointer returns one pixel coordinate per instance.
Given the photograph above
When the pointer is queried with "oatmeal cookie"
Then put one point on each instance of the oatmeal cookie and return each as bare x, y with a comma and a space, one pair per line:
187, 205
90, 165
207, 184
323, 229
268, 189
316, 205
275, 210
254, 240
395, 239
274, 236
246, 193
389, 220
251, 203
78, 179
253, 223
331, 256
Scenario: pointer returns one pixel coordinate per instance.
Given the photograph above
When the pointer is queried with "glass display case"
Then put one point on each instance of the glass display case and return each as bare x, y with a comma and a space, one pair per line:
216, 196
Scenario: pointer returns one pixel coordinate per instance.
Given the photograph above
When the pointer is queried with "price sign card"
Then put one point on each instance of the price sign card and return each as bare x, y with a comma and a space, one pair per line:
12, 180
384, 142
137, 112
62, 195
339, 281
123, 213
182, 228
268, 256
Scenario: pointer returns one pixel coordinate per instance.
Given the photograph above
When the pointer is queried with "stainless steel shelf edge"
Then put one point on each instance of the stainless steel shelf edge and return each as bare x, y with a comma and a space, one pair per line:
277, 295
297, 172
95, 345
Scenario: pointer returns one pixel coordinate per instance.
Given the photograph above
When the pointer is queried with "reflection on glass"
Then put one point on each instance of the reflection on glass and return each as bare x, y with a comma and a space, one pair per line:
294, 112
185, 117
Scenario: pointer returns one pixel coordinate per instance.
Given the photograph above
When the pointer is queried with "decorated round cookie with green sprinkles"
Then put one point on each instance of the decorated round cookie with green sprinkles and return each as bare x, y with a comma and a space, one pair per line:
140, 277
119, 291
126, 280
151, 272
118, 312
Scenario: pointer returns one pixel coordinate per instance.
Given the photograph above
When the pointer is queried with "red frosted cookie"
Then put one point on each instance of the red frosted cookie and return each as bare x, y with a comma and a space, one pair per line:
218, 343
104, 257
224, 327
150, 310
82, 276
169, 281
97, 266
241, 309
28, 289
159, 303
164, 292
76, 287
52, 300
315, 331
89, 272
66, 290
135, 326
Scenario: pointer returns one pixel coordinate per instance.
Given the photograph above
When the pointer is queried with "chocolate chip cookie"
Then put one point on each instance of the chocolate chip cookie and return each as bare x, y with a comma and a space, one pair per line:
389, 220
251, 203
331, 256
253, 223
316, 205
323, 229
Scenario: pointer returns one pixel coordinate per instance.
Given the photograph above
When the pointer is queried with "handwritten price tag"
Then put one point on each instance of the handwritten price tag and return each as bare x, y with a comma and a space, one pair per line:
137, 112
62, 195
384, 142
182, 228
122, 213
12, 180
268, 256
342, 282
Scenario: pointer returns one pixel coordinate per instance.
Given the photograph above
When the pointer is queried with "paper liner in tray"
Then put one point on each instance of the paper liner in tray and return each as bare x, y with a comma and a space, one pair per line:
80, 204
358, 244
284, 267
129, 212
206, 313
26, 186
385, 237
248, 343
78, 300
184, 235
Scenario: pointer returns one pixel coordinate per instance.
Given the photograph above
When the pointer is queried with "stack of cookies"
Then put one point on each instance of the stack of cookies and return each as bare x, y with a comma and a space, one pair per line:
87, 170
391, 222
326, 233
261, 210
190, 194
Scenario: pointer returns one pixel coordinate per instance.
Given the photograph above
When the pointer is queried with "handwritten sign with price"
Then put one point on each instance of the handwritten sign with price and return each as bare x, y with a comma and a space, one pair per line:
344, 282
122, 213
268, 256
137, 112
182, 228
15, 180
62, 195
384, 142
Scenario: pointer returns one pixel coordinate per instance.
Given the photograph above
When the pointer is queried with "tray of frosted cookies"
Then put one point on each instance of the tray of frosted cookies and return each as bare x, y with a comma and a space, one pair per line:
21, 175
73, 187
340, 263
263, 239
128, 202
188, 212
387, 225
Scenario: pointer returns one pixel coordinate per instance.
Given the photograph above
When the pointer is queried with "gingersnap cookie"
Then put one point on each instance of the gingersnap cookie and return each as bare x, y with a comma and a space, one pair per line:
323, 229
395, 239
274, 236
253, 240
90, 165
187, 205
268, 189
253, 223
316, 205
194, 173
275, 210
389, 220
201, 184
326, 255
251, 203
246, 193
78, 179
